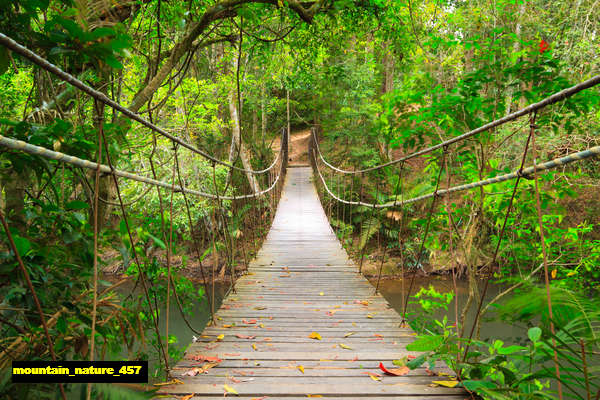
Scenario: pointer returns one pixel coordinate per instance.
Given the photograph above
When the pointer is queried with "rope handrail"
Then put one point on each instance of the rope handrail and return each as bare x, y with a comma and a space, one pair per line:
20, 145
556, 97
557, 162
11, 44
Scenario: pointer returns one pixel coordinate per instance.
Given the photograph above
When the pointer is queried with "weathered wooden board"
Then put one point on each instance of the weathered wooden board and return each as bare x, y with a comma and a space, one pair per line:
302, 281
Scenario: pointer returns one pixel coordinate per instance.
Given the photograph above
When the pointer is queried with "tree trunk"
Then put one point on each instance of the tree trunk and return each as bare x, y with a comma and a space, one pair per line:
238, 145
516, 45
263, 115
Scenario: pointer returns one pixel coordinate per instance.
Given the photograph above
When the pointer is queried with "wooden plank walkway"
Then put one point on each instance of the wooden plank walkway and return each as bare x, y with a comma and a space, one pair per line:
302, 281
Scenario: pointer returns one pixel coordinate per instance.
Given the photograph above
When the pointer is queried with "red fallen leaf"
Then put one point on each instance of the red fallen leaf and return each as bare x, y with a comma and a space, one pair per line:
232, 379
200, 357
252, 321
377, 335
244, 336
371, 373
394, 371
354, 359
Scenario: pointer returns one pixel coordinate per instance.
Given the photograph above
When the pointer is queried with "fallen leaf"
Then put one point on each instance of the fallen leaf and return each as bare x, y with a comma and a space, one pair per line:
343, 346
267, 339
188, 397
244, 336
315, 335
221, 337
260, 308
205, 358
227, 326
252, 321
377, 335
369, 316
321, 294
261, 325
232, 379
254, 347
371, 373
349, 334
394, 371
301, 368
375, 378
229, 389
171, 382
449, 384
259, 398
314, 395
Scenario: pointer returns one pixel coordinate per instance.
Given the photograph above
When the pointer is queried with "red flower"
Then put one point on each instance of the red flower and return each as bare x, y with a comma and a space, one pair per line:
544, 46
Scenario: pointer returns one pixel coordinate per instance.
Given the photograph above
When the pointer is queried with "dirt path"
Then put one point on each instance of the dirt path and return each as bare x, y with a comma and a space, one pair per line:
298, 150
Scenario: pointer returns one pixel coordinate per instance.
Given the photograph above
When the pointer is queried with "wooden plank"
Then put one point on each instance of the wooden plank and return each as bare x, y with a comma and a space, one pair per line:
303, 281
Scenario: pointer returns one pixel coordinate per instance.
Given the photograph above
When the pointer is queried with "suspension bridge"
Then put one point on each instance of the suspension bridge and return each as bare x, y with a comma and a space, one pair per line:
301, 320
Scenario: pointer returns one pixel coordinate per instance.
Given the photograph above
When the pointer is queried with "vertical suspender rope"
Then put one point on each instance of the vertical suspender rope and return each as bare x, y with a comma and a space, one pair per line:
195, 239
538, 207
36, 300
422, 246
99, 111
497, 249
154, 316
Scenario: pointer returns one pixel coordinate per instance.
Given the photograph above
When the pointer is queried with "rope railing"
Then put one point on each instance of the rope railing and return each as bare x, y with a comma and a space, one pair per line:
559, 96
11, 44
43, 152
557, 162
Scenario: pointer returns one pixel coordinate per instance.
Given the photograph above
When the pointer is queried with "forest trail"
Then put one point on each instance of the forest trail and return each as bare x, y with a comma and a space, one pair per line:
303, 284
297, 147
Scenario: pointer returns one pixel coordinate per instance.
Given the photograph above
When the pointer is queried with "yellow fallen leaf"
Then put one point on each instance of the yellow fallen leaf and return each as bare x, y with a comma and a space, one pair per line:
349, 334
343, 346
229, 389
301, 368
221, 337
369, 316
321, 294
171, 382
254, 346
375, 378
188, 397
261, 325
314, 395
449, 384
315, 335
227, 326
